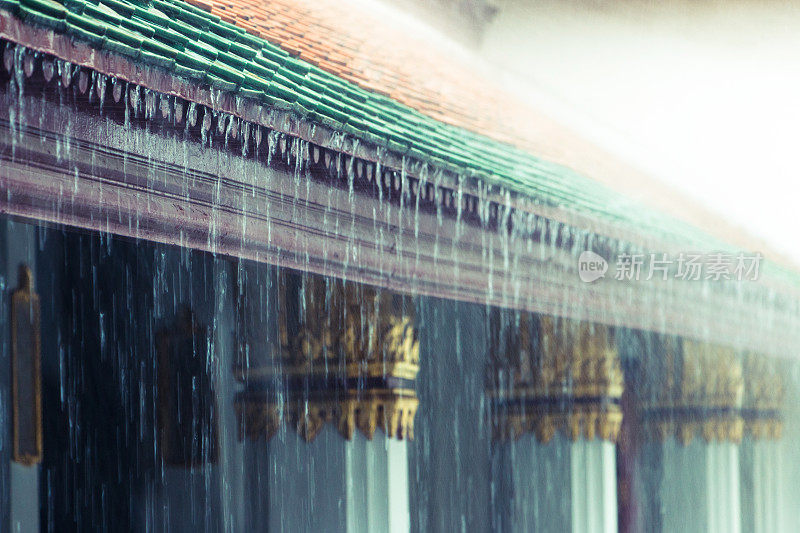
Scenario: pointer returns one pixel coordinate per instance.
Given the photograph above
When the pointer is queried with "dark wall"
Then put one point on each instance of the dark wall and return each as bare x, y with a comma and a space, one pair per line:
450, 456
105, 300
5, 388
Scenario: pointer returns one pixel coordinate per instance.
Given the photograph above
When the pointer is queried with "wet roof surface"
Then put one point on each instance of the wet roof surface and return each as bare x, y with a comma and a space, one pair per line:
375, 84
405, 62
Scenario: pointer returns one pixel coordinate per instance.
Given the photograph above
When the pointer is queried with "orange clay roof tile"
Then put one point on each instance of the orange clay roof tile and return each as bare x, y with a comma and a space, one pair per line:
202, 4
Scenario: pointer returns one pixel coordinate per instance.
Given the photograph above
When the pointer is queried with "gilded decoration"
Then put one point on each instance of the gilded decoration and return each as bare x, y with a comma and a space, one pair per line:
392, 411
26, 375
764, 391
551, 374
348, 355
693, 389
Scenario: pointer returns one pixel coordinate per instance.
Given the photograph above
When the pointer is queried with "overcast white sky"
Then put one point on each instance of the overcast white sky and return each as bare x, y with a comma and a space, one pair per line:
706, 95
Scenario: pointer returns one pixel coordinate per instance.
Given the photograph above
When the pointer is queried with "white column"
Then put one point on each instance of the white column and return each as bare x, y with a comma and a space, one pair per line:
724, 499
561, 485
399, 504
765, 486
594, 486
377, 485
332, 484
699, 488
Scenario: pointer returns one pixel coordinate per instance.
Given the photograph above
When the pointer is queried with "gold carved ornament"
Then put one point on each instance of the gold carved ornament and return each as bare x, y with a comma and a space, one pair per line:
26, 378
764, 391
550, 374
357, 344
693, 389
392, 411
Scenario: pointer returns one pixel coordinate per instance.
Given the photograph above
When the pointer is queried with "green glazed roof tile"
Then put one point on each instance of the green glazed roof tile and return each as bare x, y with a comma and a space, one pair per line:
124, 36
153, 58
138, 26
12, 6
35, 17
251, 40
243, 50
220, 69
234, 60
203, 49
119, 48
195, 20
220, 83
158, 47
218, 43
250, 93
188, 72
189, 59
257, 72
189, 33
44, 7
258, 84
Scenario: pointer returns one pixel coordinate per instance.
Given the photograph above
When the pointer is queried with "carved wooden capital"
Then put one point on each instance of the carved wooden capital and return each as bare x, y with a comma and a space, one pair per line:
764, 391
392, 411
348, 355
692, 389
550, 374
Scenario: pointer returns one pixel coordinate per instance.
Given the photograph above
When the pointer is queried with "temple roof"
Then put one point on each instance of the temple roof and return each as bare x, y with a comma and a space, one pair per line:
415, 103
474, 202
396, 86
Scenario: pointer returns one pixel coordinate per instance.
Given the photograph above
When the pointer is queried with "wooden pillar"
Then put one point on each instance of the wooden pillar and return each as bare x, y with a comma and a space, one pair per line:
555, 387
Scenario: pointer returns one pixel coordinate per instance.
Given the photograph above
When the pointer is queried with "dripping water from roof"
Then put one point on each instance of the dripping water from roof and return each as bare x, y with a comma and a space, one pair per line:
118, 294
